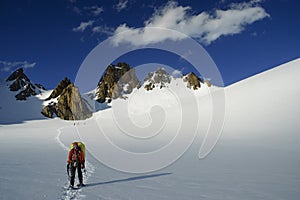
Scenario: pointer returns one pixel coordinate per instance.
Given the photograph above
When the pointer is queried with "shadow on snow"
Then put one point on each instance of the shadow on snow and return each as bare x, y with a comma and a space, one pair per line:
127, 179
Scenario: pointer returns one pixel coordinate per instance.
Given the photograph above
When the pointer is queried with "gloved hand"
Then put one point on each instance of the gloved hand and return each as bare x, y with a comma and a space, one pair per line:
82, 166
68, 166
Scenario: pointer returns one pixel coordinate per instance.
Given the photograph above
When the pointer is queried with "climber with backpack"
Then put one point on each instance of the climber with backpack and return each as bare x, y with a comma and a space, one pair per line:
76, 161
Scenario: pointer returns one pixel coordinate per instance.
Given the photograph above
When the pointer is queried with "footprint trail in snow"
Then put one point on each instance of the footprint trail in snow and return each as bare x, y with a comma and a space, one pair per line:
68, 193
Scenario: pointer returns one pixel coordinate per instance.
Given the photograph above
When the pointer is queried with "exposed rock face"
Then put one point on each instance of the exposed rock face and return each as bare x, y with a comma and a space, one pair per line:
193, 81
59, 88
29, 90
117, 80
49, 110
69, 105
160, 79
20, 82
208, 83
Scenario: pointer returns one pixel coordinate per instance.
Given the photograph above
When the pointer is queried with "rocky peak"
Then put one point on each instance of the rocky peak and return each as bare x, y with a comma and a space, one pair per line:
193, 81
18, 75
69, 104
160, 79
18, 81
59, 88
117, 80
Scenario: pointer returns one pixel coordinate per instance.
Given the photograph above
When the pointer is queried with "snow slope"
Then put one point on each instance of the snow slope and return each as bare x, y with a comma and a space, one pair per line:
257, 157
14, 112
267, 101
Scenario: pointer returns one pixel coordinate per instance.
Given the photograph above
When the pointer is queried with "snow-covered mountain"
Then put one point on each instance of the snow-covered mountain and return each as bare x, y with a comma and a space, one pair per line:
21, 100
267, 101
20, 83
118, 82
257, 156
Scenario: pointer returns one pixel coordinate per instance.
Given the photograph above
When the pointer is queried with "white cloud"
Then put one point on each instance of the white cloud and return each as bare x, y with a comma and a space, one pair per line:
103, 29
10, 66
121, 5
204, 27
83, 26
95, 10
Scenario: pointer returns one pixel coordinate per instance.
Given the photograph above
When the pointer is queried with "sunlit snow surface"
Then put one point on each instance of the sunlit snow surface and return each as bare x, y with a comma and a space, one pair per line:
257, 157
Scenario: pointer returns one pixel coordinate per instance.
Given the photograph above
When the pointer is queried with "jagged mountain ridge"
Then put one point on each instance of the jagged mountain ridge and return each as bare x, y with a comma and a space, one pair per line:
66, 103
19, 82
161, 78
118, 81
59, 89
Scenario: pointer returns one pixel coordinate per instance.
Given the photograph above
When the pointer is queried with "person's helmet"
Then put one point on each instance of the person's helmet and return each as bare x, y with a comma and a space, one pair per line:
75, 145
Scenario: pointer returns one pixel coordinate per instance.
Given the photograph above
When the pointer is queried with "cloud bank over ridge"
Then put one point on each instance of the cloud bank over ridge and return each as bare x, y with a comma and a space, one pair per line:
205, 27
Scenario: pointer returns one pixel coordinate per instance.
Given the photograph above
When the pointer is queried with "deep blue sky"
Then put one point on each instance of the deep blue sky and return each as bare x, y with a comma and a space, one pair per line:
42, 32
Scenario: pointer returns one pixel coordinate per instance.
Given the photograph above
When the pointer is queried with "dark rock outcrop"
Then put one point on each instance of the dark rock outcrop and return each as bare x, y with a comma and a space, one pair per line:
193, 81
27, 92
20, 82
18, 75
117, 80
69, 104
59, 88
160, 79
40, 86
49, 110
